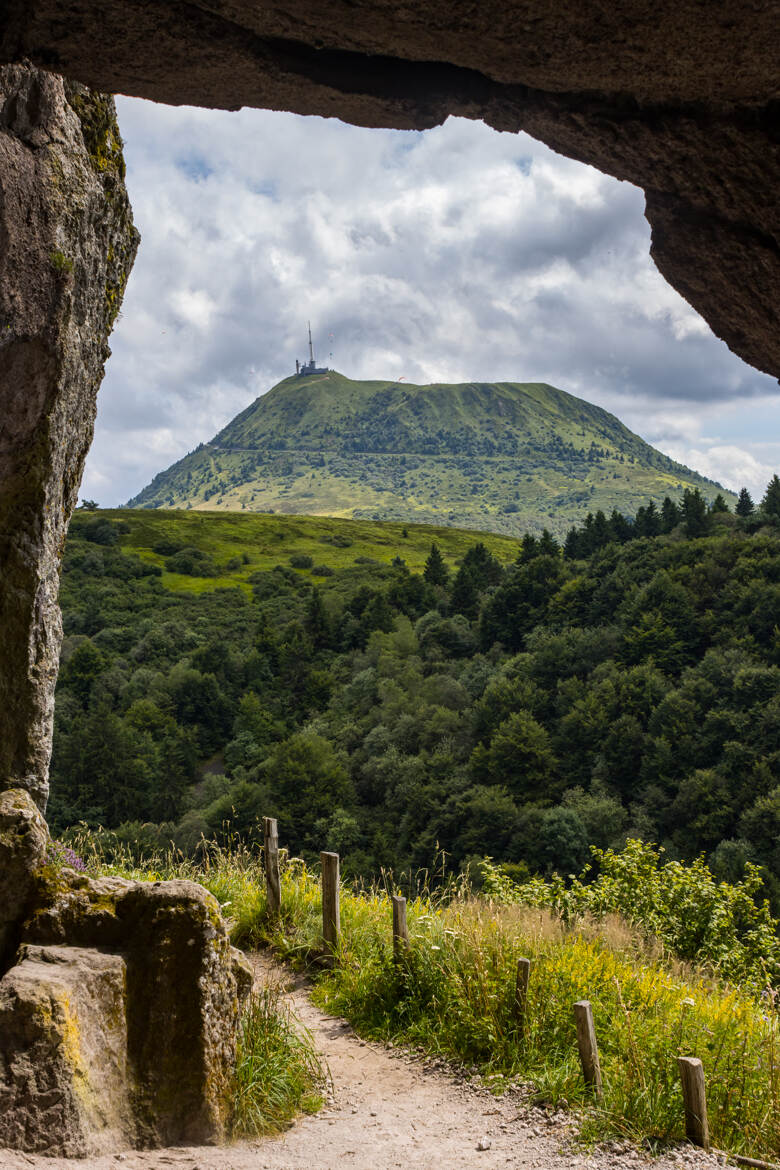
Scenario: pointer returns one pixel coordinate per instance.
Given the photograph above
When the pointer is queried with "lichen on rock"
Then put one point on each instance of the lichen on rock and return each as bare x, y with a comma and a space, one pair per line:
65, 1082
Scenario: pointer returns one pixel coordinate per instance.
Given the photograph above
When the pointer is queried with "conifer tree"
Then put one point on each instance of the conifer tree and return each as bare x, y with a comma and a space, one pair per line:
529, 549
771, 501
719, 504
548, 545
619, 527
316, 621
694, 511
744, 505
600, 532
571, 545
670, 515
652, 520
435, 571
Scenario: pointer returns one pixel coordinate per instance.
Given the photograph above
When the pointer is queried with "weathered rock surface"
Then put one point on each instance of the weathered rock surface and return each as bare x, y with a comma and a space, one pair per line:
184, 987
677, 96
67, 244
65, 1086
119, 1003
23, 841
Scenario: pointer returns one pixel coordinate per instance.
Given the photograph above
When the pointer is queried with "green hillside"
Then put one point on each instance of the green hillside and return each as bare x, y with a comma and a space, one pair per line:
232, 548
507, 457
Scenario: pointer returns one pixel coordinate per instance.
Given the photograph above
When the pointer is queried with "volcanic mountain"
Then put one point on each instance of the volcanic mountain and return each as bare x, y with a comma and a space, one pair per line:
506, 457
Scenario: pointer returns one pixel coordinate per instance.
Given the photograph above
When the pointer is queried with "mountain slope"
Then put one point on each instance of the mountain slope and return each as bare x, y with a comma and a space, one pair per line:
508, 457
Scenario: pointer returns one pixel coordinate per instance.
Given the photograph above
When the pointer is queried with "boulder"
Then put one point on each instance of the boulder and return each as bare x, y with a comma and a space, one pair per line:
185, 986
23, 841
65, 1084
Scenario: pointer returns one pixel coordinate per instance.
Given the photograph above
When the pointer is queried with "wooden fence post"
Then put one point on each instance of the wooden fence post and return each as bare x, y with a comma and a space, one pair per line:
586, 1042
400, 928
273, 885
697, 1128
521, 992
331, 921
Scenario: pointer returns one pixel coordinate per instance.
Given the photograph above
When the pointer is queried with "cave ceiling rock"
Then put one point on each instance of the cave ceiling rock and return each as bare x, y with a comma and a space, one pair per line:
679, 97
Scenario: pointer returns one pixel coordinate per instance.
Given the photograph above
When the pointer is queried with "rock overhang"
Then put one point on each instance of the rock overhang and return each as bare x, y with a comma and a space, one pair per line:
680, 98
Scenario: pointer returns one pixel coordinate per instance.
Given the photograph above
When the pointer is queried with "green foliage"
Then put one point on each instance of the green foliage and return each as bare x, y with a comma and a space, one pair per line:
435, 571
684, 907
744, 506
193, 562
771, 501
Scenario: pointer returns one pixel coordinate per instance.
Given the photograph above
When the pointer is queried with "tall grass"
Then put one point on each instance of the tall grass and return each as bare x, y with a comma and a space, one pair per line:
278, 1072
453, 993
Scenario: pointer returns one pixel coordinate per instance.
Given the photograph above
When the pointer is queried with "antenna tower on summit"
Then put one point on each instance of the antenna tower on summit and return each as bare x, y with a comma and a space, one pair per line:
309, 367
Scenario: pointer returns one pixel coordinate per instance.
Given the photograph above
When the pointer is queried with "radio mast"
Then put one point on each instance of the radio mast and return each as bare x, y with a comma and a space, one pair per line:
309, 367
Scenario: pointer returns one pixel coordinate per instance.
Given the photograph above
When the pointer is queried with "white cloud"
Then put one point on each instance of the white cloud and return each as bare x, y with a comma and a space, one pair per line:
734, 467
455, 254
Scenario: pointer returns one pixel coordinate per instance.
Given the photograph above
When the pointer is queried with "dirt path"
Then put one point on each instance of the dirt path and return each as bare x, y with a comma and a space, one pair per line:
388, 1111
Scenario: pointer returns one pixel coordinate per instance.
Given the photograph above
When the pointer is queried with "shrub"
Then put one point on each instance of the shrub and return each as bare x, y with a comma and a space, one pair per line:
192, 562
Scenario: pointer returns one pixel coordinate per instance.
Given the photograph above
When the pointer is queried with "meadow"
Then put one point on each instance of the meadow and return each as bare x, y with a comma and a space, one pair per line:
240, 545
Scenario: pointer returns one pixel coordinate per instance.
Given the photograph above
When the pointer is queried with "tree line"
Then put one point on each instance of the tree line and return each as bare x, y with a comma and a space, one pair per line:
623, 685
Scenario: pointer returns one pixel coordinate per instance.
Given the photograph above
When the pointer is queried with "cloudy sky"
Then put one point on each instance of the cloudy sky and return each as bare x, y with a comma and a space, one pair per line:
455, 254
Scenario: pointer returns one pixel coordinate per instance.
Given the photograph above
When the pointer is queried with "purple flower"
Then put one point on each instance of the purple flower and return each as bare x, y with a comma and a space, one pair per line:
62, 856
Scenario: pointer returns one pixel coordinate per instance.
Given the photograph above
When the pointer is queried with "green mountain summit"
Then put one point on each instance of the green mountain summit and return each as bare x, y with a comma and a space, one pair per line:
507, 457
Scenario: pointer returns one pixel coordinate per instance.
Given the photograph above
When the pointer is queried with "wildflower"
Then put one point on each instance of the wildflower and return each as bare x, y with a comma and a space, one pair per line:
64, 857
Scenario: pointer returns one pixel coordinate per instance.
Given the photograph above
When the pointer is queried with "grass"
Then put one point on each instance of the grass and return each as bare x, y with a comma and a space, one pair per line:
278, 1073
268, 541
453, 994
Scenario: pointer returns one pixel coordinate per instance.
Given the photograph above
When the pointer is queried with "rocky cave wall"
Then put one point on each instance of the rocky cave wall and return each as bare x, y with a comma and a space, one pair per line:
67, 244
681, 97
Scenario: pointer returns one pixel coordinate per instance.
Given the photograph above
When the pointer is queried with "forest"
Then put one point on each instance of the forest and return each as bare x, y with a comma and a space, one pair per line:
622, 686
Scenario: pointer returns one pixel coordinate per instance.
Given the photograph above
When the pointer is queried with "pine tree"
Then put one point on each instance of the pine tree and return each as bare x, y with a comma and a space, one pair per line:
652, 520
600, 533
435, 571
771, 501
719, 504
571, 546
316, 621
670, 515
548, 545
528, 550
745, 505
465, 592
694, 511
619, 527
